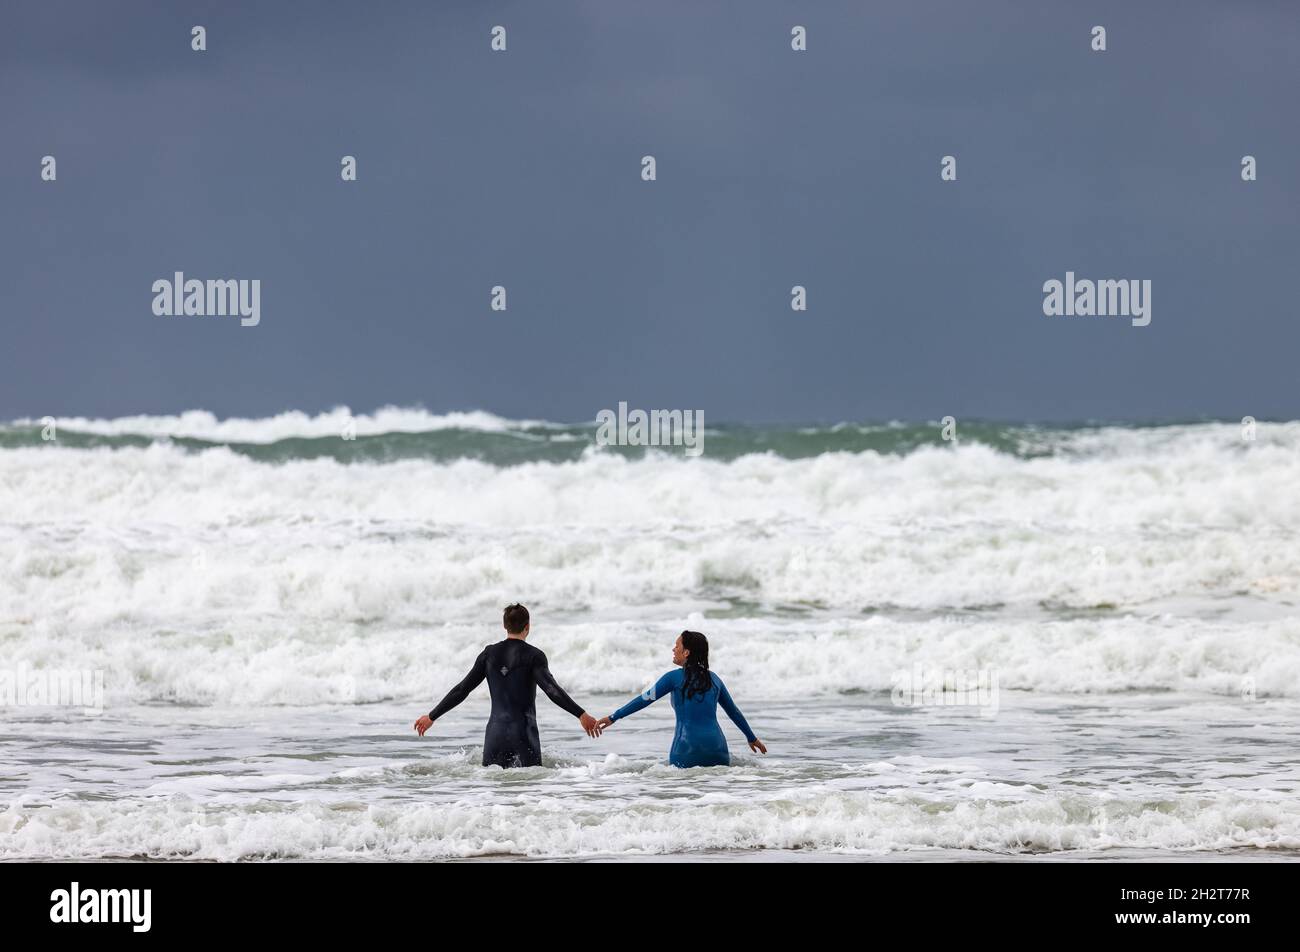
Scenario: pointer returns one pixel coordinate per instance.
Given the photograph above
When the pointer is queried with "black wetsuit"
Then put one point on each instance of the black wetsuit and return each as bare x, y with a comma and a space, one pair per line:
514, 670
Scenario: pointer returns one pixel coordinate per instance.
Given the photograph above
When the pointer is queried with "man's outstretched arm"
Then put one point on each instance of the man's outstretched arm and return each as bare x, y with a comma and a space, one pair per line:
546, 681
456, 694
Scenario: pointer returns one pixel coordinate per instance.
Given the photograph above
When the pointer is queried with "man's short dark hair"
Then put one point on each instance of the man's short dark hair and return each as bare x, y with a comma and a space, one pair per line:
515, 618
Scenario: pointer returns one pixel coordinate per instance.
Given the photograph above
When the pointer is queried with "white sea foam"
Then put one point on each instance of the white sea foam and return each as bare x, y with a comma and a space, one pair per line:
1144, 559
265, 660
818, 820
202, 425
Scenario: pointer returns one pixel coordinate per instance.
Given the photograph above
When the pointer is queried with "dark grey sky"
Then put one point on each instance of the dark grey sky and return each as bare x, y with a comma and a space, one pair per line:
775, 168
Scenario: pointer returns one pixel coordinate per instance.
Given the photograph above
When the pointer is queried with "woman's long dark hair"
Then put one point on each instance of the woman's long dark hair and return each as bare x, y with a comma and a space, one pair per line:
698, 680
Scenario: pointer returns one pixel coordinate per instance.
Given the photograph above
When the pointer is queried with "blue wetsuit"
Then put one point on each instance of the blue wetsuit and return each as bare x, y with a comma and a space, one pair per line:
698, 740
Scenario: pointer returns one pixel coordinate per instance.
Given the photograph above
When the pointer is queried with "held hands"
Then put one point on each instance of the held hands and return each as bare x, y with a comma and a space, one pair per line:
757, 746
605, 722
592, 726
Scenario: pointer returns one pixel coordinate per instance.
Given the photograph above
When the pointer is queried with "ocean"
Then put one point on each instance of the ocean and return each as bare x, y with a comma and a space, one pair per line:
270, 606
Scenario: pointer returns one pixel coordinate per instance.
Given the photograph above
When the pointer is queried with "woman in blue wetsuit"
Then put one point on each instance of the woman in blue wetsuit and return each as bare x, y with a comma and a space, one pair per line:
696, 695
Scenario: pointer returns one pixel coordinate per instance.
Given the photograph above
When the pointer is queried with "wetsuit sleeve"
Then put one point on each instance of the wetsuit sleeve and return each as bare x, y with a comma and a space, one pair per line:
733, 712
461, 691
546, 681
663, 686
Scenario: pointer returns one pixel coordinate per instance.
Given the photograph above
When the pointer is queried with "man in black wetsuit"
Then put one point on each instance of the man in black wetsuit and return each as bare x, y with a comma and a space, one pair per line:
514, 670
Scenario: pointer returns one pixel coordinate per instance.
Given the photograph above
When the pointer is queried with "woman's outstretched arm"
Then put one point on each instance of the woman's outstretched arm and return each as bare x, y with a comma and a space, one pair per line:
647, 697
733, 712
